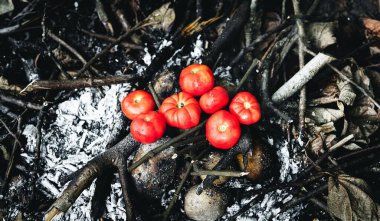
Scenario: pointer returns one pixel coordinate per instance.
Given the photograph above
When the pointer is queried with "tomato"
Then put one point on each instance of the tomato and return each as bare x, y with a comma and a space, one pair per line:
223, 130
148, 127
214, 100
181, 110
137, 102
246, 108
196, 79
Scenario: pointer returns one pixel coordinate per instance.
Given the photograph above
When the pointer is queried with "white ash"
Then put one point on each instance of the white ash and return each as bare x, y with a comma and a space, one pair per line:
84, 126
269, 208
167, 197
223, 73
165, 43
147, 57
198, 49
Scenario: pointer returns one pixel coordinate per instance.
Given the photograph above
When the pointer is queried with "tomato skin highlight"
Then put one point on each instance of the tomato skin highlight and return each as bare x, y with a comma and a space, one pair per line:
214, 100
196, 79
246, 108
181, 110
136, 103
148, 127
223, 130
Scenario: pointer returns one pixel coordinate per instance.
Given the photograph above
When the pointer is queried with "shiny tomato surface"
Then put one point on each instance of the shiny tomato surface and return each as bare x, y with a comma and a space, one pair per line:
181, 110
214, 100
196, 79
223, 130
137, 102
246, 108
148, 127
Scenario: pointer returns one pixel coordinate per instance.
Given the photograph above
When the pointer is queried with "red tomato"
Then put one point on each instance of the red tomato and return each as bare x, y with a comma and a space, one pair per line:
181, 110
148, 127
137, 102
246, 108
196, 79
223, 130
214, 100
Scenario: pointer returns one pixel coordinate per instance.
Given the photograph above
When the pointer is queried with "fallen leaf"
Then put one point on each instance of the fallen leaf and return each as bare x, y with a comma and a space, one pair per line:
352, 146
349, 199
321, 115
6, 6
347, 94
372, 25
321, 34
4, 85
162, 18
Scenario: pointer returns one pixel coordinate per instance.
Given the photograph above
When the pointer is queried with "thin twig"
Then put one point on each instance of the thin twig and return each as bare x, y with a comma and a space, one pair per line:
16, 145
259, 39
250, 70
301, 60
20, 103
219, 173
77, 83
341, 143
117, 9
108, 47
154, 94
10, 131
71, 49
160, 148
362, 90
166, 214
112, 39
307, 196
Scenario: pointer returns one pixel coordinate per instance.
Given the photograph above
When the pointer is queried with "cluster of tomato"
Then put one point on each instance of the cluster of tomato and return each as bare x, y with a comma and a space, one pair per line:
183, 111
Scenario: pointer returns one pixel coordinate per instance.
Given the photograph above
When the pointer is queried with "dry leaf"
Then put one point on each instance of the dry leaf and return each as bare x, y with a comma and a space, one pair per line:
322, 34
321, 115
362, 130
4, 85
347, 94
372, 25
316, 145
6, 6
330, 140
162, 18
360, 77
349, 199
352, 146
362, 109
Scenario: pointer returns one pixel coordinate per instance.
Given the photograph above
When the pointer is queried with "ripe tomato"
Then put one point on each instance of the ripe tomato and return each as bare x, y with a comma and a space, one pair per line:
214, 100
196, 79
181, 110
137, 102
148, 127
223, 130
246, 108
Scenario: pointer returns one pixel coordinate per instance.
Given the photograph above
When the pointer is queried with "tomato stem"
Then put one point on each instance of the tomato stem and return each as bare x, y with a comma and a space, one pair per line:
247, 105
222, 128
180, 105
137, 100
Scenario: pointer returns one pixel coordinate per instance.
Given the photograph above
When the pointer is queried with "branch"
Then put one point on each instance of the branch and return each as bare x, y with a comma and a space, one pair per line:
108, 47
162, 147
219, 173
75, 84
20, 103
108, 159
71, 49
301, 59
303, 76
349, 80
